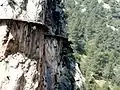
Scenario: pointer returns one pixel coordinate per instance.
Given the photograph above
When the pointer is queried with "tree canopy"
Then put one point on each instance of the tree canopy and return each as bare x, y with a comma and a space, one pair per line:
94, 29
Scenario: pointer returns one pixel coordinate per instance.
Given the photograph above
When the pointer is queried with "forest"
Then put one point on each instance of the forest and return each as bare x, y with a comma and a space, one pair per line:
94, 29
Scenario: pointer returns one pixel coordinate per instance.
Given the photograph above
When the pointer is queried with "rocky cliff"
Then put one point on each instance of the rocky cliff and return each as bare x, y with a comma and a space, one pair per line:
35, 53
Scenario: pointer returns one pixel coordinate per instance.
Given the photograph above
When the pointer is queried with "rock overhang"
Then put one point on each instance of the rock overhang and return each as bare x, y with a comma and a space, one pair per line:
34, 23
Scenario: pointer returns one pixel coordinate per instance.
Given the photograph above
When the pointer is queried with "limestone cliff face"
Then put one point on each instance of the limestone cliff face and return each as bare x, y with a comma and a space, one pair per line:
34, 50
48, 12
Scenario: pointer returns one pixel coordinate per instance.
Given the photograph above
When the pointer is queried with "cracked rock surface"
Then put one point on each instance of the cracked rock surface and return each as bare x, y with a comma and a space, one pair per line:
36, 55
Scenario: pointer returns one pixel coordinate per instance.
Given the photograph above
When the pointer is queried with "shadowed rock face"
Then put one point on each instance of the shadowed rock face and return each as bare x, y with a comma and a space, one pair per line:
21, 56
35, 56
33, 60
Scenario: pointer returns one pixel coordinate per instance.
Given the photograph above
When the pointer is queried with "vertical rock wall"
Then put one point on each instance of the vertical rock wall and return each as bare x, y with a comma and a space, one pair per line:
30, 59
54, 17
22, 55
36, 56
49, 12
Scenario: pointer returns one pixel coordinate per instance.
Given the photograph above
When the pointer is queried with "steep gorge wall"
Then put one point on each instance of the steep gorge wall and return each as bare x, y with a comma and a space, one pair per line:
35, 52
22, 54
48, 12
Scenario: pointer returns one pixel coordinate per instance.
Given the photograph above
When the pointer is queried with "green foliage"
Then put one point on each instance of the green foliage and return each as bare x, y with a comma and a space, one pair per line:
95, 33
